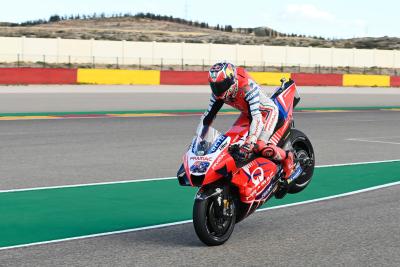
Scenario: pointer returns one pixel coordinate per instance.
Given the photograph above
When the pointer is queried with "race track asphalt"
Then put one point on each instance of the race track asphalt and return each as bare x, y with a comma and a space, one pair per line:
40, 153
358, 230
53, 98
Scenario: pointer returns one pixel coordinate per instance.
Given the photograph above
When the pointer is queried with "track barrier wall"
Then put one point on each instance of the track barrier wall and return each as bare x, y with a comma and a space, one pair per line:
184, 77
395, 81
37, 76
102, 76
318, 79
155, 77
365, 80
269, 78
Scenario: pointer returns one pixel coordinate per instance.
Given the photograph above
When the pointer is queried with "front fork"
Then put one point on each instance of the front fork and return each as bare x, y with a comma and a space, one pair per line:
222, 197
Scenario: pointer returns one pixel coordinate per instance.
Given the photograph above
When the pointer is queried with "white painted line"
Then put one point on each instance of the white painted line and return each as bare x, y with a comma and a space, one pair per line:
333, 197
169, 178
372, 141
98, 235
379, 137
357, 163
89, 184
189, 221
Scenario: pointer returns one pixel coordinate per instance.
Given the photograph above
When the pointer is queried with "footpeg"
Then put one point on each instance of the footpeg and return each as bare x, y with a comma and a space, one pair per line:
283, 188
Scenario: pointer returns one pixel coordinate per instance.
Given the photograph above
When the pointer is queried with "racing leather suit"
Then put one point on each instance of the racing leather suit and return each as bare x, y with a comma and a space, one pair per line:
262, 112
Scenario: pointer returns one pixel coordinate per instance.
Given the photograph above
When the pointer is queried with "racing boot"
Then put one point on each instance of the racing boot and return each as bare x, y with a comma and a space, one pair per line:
288, 164
276, 153
285, 157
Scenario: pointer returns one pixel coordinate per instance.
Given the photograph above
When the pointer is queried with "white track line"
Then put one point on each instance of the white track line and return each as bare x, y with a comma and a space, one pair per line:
89, 184
372, 141
189, 221
170, 178
357, 163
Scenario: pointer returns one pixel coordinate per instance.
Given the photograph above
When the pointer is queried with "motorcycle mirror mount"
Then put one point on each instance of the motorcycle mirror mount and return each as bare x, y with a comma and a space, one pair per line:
283, 81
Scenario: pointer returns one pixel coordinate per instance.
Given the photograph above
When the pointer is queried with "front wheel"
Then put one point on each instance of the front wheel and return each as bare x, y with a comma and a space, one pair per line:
214, 219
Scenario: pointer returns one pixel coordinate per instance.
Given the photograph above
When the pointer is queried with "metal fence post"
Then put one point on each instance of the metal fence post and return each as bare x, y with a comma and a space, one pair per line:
140, 63
44, 61
117, 63
203, 64
161, 64
181, 63
93, 63
69, 61
18, 60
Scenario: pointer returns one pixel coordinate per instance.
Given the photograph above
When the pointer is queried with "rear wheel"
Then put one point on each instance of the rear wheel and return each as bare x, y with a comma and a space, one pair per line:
304, 153
214, 224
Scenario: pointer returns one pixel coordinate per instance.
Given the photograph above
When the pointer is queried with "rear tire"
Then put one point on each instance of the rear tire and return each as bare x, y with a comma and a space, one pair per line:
302, 149
212, 229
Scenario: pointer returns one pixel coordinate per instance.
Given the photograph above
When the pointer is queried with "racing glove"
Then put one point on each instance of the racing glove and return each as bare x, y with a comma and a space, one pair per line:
247, 148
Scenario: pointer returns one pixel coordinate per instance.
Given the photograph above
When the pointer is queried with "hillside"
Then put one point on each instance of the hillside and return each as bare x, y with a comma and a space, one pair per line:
134, 28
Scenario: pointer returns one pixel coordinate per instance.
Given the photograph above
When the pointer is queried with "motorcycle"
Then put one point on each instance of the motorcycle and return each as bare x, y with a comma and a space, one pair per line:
231, 186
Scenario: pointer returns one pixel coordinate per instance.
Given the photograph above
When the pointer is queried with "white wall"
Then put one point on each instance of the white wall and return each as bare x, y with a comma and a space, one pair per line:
153, 53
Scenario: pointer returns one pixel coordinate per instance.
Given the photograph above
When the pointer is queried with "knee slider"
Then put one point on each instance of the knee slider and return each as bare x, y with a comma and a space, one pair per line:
268, 152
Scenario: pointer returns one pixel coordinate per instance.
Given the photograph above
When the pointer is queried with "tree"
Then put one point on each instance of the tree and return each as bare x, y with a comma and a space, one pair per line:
54, 18
228, 28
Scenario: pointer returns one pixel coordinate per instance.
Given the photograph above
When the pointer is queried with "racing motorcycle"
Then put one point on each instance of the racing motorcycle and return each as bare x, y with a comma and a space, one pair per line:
232, 186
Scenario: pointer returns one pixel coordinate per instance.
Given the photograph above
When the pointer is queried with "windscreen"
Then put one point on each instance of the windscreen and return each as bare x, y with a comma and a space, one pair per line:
206, 145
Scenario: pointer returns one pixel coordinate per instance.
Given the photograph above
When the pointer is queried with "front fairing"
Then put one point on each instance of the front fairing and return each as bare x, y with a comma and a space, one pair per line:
207, 158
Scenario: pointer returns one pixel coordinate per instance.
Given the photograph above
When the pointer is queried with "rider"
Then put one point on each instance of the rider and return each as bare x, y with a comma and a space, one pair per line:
235, 87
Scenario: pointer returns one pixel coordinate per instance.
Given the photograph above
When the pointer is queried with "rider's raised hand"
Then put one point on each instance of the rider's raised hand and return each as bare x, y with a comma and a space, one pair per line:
247, 148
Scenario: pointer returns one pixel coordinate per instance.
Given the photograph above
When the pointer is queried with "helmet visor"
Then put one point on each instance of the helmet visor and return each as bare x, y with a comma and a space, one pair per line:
219, 88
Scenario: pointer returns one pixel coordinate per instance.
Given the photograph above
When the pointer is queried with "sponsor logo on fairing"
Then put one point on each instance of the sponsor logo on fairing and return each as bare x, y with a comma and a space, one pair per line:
266, 192
295, 174
257, 176
199, 166
217, 143
223, 146
219, 159
201, 158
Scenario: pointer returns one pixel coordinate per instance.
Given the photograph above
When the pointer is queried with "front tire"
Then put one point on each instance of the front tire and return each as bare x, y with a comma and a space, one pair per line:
211, 226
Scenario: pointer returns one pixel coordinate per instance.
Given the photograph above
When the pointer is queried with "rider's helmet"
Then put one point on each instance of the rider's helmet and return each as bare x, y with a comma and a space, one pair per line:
223, 80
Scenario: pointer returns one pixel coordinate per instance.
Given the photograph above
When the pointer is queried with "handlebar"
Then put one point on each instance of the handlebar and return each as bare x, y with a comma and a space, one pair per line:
239, 157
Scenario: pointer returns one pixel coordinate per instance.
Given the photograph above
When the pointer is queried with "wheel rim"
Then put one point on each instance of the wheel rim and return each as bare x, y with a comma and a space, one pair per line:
217, 224
301, 154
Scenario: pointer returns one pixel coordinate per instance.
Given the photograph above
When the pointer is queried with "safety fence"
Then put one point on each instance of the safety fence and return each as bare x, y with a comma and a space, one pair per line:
156, 77
142, 54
